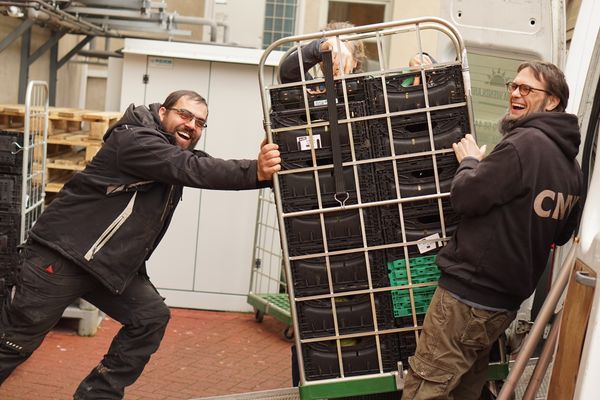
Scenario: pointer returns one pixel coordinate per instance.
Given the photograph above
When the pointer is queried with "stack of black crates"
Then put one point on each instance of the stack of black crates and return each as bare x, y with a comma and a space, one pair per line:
347, 262
11, 166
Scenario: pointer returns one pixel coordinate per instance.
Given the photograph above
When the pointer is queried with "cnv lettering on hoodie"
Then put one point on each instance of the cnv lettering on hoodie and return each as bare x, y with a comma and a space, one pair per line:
555, 205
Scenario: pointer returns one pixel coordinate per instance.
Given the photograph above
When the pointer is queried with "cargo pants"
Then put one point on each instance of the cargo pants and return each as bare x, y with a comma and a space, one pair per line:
453, 351
47, 284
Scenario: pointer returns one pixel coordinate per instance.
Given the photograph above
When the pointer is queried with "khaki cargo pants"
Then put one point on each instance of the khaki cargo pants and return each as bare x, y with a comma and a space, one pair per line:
452, 355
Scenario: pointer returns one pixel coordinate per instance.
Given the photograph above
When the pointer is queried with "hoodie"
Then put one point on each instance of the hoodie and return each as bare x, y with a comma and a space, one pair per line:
110, 217
514, 204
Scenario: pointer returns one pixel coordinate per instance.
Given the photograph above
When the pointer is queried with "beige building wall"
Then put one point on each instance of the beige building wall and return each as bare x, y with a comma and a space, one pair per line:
188, 8
10, 59
400, 51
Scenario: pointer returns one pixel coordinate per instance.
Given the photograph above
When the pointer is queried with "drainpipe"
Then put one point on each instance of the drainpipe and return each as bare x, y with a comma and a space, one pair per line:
225, 31
175, 18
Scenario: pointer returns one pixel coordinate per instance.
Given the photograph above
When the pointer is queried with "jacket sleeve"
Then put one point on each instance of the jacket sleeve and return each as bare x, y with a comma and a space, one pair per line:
148, 156
480, 185
289, 68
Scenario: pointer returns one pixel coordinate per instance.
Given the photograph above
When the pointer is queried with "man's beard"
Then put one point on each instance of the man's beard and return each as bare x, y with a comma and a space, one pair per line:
507, 122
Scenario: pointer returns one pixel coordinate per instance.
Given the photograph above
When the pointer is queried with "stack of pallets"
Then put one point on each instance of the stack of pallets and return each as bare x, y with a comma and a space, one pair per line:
74, 137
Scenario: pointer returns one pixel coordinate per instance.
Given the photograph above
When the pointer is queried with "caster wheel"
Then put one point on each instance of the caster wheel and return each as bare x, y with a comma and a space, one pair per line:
288, 333
259, 316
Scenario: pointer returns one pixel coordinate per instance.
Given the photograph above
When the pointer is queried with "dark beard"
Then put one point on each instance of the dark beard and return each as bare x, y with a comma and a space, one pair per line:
507, 124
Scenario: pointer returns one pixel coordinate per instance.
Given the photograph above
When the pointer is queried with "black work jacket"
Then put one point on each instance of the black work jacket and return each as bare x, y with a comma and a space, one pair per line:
110, 217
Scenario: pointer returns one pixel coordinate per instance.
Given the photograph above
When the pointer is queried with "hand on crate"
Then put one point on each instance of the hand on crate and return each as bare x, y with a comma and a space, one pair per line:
467, 147
341, 55
269, 161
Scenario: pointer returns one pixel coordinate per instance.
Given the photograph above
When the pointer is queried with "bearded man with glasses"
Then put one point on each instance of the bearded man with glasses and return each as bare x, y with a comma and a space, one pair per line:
514, 205
93, 240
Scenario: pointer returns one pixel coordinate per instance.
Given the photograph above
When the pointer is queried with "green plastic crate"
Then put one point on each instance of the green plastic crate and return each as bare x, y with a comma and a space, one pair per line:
422, 270
414, 261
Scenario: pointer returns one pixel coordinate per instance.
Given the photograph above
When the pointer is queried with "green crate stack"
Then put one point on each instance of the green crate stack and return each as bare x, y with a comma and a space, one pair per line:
422, 270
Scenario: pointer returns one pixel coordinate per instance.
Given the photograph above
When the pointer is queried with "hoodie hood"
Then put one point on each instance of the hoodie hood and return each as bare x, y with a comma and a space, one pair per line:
140, 116
562, 128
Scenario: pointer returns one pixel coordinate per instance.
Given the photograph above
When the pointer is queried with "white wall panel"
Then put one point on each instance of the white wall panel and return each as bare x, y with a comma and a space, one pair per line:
204, 260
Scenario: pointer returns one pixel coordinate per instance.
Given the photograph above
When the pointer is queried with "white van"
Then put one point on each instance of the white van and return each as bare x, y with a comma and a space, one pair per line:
496, 43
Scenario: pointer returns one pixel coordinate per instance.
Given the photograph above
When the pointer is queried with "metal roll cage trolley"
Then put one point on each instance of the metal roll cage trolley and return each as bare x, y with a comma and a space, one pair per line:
363, 203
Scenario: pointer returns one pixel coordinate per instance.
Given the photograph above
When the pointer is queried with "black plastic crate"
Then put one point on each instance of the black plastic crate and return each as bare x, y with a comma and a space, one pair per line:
9, 240
430, 248
298, 191
354, 314
294, 145
343, 229
10, 220
416, 175
291, 97
10, 193
421, 218
11, 157
406, 322
359, 357
408, 346
348, 272
444, 86
411, 132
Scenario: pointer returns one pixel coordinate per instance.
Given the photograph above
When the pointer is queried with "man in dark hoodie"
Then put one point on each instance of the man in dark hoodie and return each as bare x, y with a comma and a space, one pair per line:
93, 240
514, 204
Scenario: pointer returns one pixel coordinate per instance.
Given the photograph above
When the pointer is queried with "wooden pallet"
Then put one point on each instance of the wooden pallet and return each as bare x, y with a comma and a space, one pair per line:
74, 138
56, 182
99, 122
12, 116
73, 160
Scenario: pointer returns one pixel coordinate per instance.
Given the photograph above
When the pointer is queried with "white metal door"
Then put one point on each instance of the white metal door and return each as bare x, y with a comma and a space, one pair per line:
498, 36
583, 75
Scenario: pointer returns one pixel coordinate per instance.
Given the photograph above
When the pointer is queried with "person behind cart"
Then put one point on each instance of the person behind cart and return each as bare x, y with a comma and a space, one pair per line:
514, 204
93, 240
349, 54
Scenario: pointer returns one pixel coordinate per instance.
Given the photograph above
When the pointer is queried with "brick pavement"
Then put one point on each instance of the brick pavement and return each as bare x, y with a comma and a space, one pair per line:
204, 353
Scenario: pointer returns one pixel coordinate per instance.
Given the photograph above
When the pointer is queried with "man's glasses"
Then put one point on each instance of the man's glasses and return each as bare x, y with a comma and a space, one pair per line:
523, 88
188, 116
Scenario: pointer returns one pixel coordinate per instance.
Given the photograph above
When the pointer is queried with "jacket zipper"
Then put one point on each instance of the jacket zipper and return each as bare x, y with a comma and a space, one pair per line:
111, 230
168, 204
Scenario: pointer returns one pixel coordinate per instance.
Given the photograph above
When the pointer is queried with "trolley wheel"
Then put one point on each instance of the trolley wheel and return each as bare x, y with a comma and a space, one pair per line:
259, 315
288, 333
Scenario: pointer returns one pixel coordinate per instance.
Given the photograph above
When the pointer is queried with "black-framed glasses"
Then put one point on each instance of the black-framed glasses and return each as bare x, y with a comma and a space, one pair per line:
523, 88
188, 116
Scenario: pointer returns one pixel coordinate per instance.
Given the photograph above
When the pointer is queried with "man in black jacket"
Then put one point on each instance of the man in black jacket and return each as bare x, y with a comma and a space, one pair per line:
514, 204
93, 240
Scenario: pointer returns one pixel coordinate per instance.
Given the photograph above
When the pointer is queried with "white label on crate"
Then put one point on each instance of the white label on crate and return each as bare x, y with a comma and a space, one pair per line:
323, 102
304, 142
425, 247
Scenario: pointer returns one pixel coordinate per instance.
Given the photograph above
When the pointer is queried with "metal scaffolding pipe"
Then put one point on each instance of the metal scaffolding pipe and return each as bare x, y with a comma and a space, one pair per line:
197, 21
546, 357
539, 325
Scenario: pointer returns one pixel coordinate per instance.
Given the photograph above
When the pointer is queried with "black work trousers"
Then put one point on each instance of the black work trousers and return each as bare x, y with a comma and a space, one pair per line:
47, 284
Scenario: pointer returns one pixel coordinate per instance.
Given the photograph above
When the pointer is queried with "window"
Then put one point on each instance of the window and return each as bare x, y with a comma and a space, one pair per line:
280, 19
359, 13
489, 95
